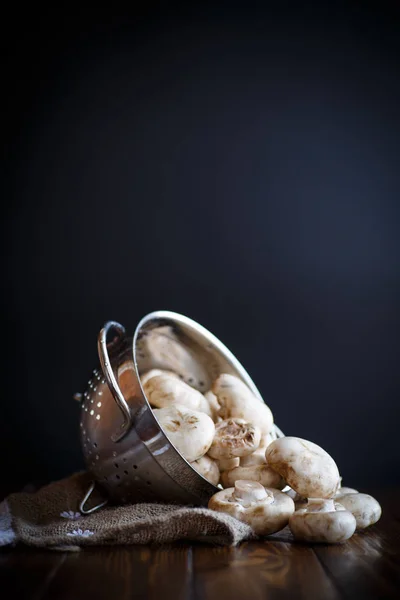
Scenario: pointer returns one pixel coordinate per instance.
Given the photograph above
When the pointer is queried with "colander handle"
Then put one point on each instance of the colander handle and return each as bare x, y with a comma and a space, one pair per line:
88, 511
109, 374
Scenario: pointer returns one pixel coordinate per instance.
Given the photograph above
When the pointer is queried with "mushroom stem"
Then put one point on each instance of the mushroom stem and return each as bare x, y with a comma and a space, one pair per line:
320, 505
249, 492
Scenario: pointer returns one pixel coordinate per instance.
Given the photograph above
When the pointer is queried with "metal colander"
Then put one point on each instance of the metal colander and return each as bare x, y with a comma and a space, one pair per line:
126, 451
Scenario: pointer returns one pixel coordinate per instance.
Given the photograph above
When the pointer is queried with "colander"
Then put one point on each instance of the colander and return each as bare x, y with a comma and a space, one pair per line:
127, 453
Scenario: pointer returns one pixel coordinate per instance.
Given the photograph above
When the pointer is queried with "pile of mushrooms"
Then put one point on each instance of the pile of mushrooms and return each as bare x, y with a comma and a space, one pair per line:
228, 435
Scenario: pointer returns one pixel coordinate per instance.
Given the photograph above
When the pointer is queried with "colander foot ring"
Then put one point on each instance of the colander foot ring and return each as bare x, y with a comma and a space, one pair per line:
88, 511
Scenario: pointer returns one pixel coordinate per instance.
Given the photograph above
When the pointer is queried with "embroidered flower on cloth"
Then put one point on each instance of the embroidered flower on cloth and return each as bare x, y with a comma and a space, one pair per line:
70, 514
81, 533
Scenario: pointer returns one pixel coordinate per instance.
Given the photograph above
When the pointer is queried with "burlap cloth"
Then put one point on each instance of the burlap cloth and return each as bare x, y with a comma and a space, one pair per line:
50, 518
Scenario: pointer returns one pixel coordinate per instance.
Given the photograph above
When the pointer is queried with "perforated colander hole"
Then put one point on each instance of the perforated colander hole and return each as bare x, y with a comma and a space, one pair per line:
126, 472
148, 482
116, 465
117, 477
94, 444
124, 459
135, 466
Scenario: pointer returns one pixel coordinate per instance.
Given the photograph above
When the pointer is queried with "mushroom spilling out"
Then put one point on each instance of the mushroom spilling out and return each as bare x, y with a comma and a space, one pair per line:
261, 473
364, 507
343, 491
322, 520
266, 510
306, 467
228, 436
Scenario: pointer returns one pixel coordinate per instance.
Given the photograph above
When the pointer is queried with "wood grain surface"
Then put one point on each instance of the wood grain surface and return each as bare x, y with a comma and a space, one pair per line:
367, 567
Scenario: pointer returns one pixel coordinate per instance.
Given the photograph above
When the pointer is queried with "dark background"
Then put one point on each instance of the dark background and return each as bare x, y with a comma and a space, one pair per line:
238, 165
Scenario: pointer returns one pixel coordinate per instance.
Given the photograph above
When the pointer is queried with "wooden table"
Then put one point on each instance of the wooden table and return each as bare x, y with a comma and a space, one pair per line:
366, 567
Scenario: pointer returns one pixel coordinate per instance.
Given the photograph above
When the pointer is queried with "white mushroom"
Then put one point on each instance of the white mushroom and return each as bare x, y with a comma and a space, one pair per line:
226, 464
261, 473
234, 437
153, 373
205, 407
237, 401
255, 458
213, 404
166, 390
306, 467
190, 431
207, 467
322, 521
364, 507
343, 491
267, 439
265, 510
160, 348
299, 501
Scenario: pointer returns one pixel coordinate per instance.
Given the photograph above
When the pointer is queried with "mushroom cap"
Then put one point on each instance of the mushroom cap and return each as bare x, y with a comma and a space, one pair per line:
154, 372
268, 438
166, 390
213, 404
205, 407
327, 525
237, 401
266, 510
255, 458
190, 431
234, 437
208, 468
364, 507
343, 491
160, 348
261, 473
226, 464
306, 467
